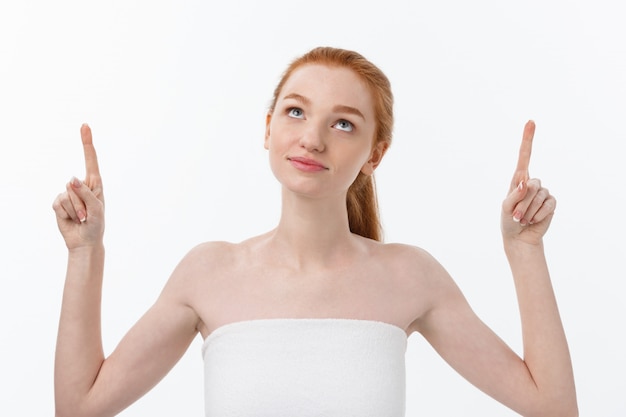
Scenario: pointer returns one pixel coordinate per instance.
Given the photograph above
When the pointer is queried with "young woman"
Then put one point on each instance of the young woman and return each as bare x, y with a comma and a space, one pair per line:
312, 317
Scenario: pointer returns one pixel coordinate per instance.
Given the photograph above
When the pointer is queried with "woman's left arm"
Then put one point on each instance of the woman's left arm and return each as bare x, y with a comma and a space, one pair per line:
542, 382
526, 215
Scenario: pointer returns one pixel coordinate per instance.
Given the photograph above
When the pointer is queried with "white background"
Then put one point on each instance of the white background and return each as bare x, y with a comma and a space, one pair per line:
176, 94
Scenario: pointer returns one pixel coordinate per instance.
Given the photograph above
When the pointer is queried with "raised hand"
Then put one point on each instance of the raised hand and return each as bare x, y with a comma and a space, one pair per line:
528, 208
80, 209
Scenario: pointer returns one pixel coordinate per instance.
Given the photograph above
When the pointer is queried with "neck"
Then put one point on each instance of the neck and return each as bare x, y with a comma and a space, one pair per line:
313, 231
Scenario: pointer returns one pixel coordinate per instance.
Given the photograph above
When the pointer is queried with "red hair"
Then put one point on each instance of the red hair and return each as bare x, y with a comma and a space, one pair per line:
361, 201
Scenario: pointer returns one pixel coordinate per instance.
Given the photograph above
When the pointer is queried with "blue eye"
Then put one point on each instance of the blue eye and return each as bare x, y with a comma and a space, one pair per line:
344, 125
295, 112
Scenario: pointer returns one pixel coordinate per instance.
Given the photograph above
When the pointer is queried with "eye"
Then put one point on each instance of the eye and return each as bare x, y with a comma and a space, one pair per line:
344, 125
295, 112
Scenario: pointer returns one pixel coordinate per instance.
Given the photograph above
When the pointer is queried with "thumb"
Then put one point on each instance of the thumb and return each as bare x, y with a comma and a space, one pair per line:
92, 203
516, 195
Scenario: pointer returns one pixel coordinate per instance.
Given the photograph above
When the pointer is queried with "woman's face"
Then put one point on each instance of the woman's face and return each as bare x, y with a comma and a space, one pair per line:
321, 132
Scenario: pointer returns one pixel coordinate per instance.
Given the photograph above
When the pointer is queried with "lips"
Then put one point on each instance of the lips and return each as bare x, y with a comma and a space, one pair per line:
306, 164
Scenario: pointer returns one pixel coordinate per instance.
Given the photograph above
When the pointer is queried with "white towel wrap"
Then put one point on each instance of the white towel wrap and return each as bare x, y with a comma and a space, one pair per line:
305, 367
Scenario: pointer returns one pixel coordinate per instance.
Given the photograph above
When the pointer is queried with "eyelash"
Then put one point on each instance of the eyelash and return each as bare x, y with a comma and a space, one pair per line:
290, 110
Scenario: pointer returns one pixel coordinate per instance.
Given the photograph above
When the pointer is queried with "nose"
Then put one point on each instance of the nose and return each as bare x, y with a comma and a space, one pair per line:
312, 139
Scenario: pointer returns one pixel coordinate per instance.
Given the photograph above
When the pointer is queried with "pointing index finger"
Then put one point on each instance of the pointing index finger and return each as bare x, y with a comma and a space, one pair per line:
92, 177
525, 150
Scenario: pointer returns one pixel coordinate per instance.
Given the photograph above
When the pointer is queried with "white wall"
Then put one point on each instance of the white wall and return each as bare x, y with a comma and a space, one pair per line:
176, 93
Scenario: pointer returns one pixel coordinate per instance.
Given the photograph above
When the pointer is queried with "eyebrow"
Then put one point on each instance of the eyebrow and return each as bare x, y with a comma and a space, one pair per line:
339, 108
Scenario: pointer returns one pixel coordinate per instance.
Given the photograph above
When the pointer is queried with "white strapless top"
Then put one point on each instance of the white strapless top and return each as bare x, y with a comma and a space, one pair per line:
305, 368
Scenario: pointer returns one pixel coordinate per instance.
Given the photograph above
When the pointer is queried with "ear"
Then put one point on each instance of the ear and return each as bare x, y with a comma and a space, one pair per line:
375, 157
268, 119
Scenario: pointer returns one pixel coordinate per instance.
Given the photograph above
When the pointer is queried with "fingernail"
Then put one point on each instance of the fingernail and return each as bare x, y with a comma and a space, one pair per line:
517, 216
76, 183
520, 186
81, 216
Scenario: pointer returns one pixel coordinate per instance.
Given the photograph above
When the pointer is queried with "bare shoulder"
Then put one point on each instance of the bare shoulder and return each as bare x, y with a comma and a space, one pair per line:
414, 267
202, 278
201, 263
414, 261
208, 253
420, 277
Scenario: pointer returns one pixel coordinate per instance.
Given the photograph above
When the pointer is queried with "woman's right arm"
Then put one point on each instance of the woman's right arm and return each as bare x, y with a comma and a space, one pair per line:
86, 383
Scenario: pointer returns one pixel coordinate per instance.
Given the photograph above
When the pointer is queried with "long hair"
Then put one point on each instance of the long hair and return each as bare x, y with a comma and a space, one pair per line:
361, 200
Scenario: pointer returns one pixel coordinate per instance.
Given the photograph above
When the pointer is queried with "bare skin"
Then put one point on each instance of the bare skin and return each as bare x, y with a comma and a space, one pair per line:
310, 265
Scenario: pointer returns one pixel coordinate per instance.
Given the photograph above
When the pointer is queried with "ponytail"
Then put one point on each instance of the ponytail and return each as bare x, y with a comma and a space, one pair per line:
362, 207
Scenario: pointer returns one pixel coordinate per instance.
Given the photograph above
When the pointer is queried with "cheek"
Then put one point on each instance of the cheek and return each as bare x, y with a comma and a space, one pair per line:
353, 164
363, 155
278, 136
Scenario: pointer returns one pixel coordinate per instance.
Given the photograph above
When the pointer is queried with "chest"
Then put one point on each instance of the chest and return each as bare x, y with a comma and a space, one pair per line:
251, 292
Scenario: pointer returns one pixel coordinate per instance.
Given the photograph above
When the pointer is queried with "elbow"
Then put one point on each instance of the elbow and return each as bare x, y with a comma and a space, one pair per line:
68, 412
569, 412
565, 408
64, 409
63, 412
560, 401
565, 413
72, 410
67, 407
573, 411
556, 409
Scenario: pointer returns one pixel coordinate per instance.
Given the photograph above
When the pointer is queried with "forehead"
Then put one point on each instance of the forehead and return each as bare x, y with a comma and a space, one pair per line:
331, 85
